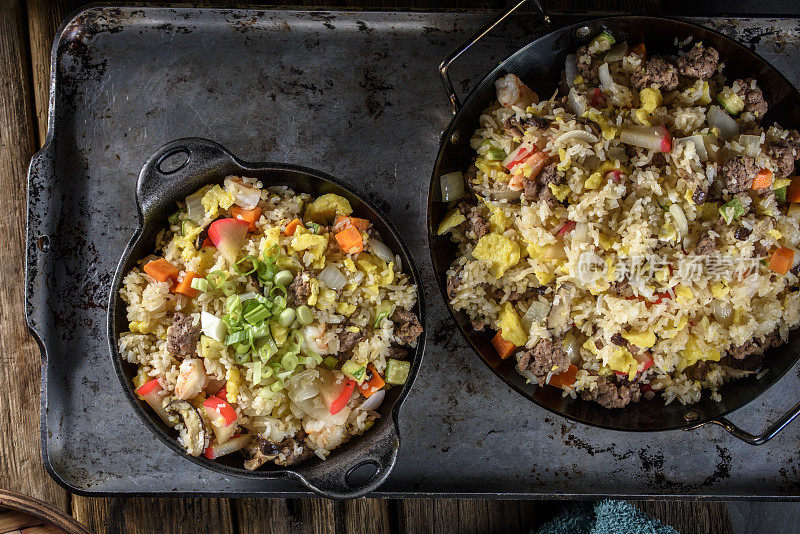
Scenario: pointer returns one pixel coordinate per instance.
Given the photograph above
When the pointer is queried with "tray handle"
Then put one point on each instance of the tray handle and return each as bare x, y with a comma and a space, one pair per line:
756, 439
370, 469
178, 169
474, 38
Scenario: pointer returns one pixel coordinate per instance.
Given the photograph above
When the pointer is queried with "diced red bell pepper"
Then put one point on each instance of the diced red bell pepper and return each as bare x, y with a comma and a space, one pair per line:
215, 405
148, 387
518, 156
222, 393
596, 98
341, 401
567, 228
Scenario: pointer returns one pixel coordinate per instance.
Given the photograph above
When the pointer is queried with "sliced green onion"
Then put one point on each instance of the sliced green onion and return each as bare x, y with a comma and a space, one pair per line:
174, 218
496, 154
266, 372
257, 314
279, 303
278, 288
381, 316
266, 393
260, 330
314, 227
286, 317
216, 279
256, 373
283, 278
241, 266
242, 348
241, 357
304, 315
330, 362
228, 288
276, 386
187, 226
305, 360
780, 194
200, 284
289, 362
236, 337
268, 350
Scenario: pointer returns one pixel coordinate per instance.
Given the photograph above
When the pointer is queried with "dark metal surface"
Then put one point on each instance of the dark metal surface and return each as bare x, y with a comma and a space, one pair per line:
356, 95
542, 61
202, 162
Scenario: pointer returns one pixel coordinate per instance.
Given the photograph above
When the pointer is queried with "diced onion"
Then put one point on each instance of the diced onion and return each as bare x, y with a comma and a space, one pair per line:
681, 224
572, 348
577, 104
374, 401
751, 144
194, 207
723, 312
581, 232
699, 145
617, 52
452, 185
303, 385
381, 250
537, 311
333, 278
606, 81
720, 119
571, 69
247, 197
581, 135
213, 326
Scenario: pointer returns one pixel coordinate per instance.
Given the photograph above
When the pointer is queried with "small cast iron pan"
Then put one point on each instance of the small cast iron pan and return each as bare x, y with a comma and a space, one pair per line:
175, 171
539, 64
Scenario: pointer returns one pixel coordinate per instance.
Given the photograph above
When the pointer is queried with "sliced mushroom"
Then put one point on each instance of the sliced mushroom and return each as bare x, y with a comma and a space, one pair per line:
558, 320
193, 434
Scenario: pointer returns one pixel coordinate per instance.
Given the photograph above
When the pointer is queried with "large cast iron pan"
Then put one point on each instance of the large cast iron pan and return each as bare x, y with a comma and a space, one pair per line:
539, 65
177, 170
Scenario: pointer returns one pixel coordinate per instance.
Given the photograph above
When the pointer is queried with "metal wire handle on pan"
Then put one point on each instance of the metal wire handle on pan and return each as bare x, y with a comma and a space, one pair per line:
754, 439
474, 38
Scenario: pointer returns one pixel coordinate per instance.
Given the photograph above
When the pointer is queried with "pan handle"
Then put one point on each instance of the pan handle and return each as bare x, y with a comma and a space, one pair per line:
756, 439
474, 38
177, 170
366, 469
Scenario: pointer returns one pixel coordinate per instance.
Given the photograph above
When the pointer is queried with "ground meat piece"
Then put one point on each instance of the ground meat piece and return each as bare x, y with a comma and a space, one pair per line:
587, 67
477, 325
348, 340
397, 353
706, 245
299, 289
288, 451
657, 72
182, 336
658, 160
610, 395
406, 326
755, 346
700, 62
785, 152
538, 188
476, 221
738, 173
619, 286
700, 196
742, 233
453, 282
618, 340
469, 177
596, 130
698, 371
795, 270
517, 128
754, 101
759, 250
544, 358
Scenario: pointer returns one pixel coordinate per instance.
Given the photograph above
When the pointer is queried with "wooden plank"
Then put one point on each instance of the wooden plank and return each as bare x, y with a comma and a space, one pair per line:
252, 514
21, 468
368, 515
165, 516
689, 517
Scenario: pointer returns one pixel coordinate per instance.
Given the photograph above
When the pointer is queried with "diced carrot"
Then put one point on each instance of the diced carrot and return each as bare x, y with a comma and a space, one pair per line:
504, 348
248, 216
567, 378
291, 227
185, 286
162, 270
781, 260
343, 222
793, 191
640, 50
350, 240
373, 385
763, 179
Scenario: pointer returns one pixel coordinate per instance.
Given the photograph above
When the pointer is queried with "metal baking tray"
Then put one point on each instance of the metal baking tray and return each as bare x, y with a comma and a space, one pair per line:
357, 95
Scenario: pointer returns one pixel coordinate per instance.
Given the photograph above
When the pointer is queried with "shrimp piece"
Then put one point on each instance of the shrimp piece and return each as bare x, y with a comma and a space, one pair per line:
191, 380
316, 338
511, 91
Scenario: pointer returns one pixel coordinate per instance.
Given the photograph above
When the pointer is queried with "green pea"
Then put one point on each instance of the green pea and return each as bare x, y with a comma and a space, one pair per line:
286, 318
283, 278
304, 315
241, 348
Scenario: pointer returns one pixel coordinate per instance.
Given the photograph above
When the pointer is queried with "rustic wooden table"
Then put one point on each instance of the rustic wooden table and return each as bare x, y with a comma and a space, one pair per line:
27, 28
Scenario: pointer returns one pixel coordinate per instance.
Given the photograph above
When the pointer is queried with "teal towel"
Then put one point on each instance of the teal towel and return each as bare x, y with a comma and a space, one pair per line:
604, 517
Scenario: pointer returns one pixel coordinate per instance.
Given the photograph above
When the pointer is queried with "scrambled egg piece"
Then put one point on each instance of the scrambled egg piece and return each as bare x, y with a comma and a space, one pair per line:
650, 99
693, 353
642, 117
487, 166
510, 325
316, 244
706, 98
344, 308
565, 161
327, 207
279, 333
559, 191
719, 289
590, 346
676, 329
645, 340
544, 277
684, 294
498, 222
453, 218
594, 181
775, 233
348, 263
499, 251
312, 298
215, 199
271, 238
608, 130
619, 359
326, 299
